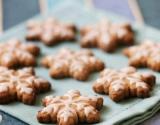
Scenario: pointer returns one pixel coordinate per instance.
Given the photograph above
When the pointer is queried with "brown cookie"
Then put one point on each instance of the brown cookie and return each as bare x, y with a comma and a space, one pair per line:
22, 85
147, 54
107, 35
50, 31
70, 109
69, 63
124, 83
14, 53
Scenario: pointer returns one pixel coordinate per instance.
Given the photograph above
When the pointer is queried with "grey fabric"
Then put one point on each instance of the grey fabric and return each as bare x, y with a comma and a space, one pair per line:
150, 10
16, 11
10, 120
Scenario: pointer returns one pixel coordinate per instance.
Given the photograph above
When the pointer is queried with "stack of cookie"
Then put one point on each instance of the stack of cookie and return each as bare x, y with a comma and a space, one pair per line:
19, 82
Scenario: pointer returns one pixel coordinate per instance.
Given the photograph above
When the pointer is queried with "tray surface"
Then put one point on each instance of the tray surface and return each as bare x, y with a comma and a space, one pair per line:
112, 113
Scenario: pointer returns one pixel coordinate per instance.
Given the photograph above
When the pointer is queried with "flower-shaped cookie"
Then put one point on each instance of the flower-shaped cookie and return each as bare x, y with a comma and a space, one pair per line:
69, 63
50, 31
70, 109
147, 54
18, 54
107, 35
124, 83
22, 85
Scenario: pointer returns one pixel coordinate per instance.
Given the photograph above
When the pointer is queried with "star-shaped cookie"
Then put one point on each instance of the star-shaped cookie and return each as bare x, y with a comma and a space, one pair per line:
107, 35
147, 54
50, 31
124, 83
22, 85
69, 63
70, 109
14, 53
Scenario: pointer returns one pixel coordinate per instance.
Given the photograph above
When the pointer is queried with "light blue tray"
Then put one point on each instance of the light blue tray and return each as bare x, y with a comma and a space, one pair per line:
128, 112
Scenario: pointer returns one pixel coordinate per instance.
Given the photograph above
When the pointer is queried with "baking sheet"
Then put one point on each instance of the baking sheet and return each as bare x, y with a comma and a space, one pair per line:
125, 112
